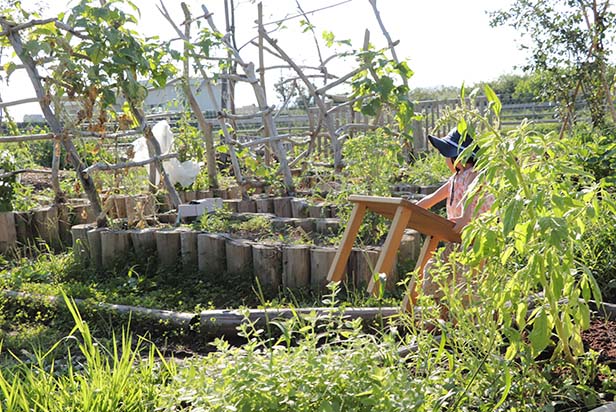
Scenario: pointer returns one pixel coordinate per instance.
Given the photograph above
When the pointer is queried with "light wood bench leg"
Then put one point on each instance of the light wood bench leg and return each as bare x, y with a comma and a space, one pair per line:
427, 250
390, 248
336, 270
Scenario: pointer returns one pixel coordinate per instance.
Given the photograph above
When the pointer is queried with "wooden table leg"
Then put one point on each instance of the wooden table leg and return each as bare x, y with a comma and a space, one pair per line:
427, 250
336, 270
390, 248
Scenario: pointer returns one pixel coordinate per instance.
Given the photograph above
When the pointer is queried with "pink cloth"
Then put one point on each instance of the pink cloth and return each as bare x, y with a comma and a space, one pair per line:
460, 183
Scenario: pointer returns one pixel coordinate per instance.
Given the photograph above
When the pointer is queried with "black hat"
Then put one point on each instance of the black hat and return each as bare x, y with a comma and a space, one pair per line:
450, 145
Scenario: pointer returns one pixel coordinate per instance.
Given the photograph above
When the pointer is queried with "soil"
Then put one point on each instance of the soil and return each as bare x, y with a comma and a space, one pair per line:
40, 181
601, 337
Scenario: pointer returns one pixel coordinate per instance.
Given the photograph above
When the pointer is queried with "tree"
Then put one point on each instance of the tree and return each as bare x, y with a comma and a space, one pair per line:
569, 41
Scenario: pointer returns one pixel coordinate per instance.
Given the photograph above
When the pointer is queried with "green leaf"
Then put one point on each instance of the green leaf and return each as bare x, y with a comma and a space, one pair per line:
541, 333
494, 101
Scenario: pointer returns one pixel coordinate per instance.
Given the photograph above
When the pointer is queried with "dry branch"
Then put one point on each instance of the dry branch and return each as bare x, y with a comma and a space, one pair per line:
20, 171
126, 165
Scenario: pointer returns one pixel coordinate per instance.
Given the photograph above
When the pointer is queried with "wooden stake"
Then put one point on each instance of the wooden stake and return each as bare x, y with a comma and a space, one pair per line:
212, 254
239, 256
188, 242
321, 259
267, 264
168, 247
8, 233
296, 266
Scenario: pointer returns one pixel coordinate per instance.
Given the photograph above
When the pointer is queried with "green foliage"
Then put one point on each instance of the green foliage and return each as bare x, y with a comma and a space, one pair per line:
123, 376
7, 192
426, 169
547, 202
569, 44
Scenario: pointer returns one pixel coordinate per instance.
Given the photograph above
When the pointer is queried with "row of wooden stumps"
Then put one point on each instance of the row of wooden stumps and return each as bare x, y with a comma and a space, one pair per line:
275, 265
48, 224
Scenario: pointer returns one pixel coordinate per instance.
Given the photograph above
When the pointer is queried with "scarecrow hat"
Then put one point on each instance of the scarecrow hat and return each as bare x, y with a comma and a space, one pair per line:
450, 145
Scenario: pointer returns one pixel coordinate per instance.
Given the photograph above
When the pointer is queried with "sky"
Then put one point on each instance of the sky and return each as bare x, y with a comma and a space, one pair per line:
445, 42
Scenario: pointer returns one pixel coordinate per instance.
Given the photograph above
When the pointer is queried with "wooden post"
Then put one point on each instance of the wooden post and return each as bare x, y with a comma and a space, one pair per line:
299, 208
267, 264
247, 206
46, 226
144, 242
115, 247
321, 259
212, 253
296, 266
8, 233
239, 256
264, 205
282, 207
328, 226
81, 248
94, 241
23, 227
188, 242
168, 246
361, 265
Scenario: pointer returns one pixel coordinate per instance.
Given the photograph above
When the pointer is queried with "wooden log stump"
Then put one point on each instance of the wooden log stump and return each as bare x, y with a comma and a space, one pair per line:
282, 224
81, 247
109, 207
318, 211
24, 227
115, 248
168, 247
47, 227
267, 265
94, 242
239, 256
188, 244
231, 205
410, 247
204, 194
189, 196
8, 232
361, 266
296, 266
321, 259
264, 205
81, 214
282, 207
138, 208
234, 192
212, 253
328, 226
64, 224
308, 225
299, 208
247, 206
221, 193
120, 205
144, 242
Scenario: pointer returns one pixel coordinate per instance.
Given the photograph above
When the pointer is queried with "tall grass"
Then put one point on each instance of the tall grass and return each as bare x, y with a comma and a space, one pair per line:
124, 376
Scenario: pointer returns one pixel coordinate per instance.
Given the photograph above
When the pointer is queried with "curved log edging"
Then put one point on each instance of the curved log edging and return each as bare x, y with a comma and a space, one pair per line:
274, 264
211, 323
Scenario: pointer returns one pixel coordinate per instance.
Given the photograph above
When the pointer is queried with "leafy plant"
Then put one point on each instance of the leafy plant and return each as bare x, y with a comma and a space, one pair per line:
547, 202
7, 192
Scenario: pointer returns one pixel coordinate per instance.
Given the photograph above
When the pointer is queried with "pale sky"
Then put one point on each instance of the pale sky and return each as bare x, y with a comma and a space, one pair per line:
446, 42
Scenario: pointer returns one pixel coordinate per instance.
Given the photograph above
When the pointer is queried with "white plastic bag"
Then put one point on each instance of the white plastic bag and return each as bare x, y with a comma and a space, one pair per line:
183, 173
